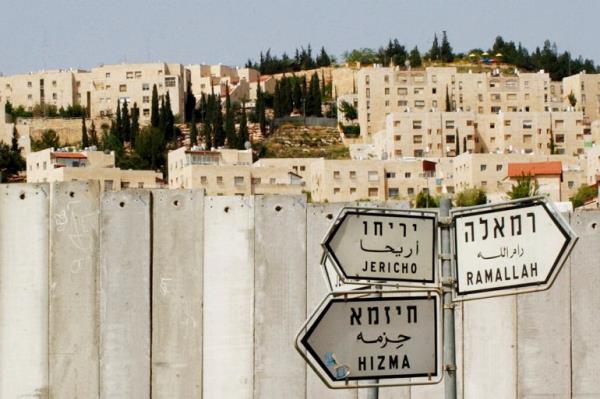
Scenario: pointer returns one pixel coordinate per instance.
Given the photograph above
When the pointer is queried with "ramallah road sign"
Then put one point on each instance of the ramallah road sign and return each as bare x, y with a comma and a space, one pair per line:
395, 338
510, 248
384, 246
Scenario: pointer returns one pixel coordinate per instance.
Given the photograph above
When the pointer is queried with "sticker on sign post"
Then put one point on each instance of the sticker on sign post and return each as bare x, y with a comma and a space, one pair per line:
509, 248
375, 246
395, 338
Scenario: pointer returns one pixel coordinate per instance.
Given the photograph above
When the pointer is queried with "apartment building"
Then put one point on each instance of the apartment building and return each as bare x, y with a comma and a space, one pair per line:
447, 134
55, 87
103, 88
586, 89
384, 90
51, 165
242, 82
229, 172
490, 172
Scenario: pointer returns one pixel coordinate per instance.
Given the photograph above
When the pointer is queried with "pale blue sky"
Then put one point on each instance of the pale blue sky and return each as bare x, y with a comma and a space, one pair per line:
45, 34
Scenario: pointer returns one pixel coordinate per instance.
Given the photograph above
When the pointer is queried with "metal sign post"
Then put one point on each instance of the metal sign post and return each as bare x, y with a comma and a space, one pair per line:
448, 287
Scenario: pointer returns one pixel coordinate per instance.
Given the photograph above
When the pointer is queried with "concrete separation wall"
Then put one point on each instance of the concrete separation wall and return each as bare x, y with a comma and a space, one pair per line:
170, 294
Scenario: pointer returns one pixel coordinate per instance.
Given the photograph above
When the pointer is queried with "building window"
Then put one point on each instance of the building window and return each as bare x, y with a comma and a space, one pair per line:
146, 99
203, 180
336, 174
138, 74
145, 87
170, 81
571, 184
238, 180
527, 124
417, 124
402, 91
410, 191
124, 185
353, 174
449, 124
450, 139
419, 104
498, 167
129, 75
483, 167
387, 91
352, 190
390, 175
108, 185
418, 139
336, 190
28, 84
407, 175
146, 112
219, 179
373, 191
122, 88
373, 175
393, 192
141, 184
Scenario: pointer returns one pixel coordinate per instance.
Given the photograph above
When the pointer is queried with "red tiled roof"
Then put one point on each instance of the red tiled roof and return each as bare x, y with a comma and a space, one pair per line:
534, 168
265, 78
75, 155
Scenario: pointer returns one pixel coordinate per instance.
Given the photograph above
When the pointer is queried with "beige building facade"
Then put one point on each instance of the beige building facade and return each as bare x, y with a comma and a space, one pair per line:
586, 90
52, 165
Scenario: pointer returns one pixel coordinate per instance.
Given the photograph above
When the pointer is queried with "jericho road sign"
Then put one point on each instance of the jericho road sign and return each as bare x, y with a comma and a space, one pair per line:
333, 280
384, 246
509, 248
393, 338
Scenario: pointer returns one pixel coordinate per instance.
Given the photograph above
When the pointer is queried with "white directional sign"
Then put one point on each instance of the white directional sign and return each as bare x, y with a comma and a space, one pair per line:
512, 248
333, 280
384, 246
393, 338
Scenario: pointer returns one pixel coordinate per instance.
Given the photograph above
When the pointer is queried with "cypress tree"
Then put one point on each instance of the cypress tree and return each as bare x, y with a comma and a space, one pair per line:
125, 133
305, 96
446, 54
229, 121
207, 134
219, 133
297, 95
14, 143
169, 119
85, 142
94, 135
202, 108
277, 100
434, 52
243, 135
457, 143
193, 130
155, 113
118, 122
464, 144
190, 102
448, 104
135, 123
415, 58
260, 110
162, 115
315, 97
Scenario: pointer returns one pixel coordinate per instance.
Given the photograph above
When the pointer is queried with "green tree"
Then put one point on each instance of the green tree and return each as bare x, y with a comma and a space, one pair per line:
297, 95
169, 119
552, 144
94, 135
313, 102
218, 131
434, 52
193, 130
14, 142
457, 143
48, 139
85, 142
118, 127
349, 111
125, 131
323, 59
243, 135
190, 103
11, 162
526, 186
583, 195
448, 102
277, 100
425, 200
135, 123
260, 110
415, 58
207, 135
572, 99
471, 197
229, 121
154, 111
446, 54
150, 146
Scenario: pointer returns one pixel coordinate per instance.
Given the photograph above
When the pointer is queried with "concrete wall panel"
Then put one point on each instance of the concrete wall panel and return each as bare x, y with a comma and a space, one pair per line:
228, 323
280, 296
318, 219
585, 302
125, 295
73, 311
178, 224
490, 348
24, 291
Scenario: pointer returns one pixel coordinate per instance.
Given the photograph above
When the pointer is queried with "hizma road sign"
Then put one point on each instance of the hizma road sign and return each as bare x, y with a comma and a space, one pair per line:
395, 338
384, 246
509, 248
